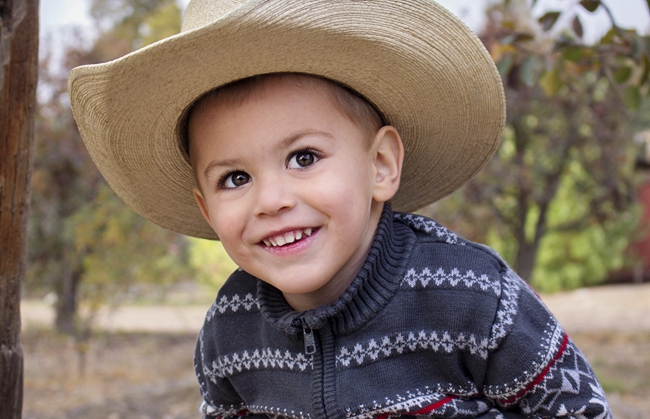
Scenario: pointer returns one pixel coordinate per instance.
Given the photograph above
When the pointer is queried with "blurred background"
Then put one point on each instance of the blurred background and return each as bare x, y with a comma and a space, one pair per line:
112, 304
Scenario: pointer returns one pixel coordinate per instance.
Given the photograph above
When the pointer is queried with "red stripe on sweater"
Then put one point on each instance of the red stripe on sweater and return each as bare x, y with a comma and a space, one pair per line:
424, 410
539, 379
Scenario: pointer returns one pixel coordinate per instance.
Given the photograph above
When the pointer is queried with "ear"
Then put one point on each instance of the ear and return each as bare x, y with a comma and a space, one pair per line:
389, 154
203, 206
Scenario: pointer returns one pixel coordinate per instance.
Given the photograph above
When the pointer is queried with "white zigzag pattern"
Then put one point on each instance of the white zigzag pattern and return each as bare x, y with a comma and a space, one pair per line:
508, 306
234, 304
398, 344
453, 278
277, 412
268, 358
427, 225
554, 336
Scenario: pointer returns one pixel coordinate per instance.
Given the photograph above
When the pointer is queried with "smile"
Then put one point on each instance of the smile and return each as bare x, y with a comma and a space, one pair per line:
288, 237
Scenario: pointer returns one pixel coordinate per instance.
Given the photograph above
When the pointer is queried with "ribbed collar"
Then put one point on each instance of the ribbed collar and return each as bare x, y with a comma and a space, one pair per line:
371, 290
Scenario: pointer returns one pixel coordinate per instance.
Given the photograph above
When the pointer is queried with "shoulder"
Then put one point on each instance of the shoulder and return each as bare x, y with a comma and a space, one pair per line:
442, 259
235, 308
238, 295
466, 282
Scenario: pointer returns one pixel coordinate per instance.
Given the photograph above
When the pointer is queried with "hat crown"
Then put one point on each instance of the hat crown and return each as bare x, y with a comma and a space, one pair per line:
202, 12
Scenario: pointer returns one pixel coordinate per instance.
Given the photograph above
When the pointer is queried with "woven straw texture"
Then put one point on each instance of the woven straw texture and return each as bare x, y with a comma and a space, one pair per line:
419, 65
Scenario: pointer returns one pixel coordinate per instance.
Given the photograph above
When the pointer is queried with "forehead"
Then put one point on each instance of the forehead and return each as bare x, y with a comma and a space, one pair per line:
275, 110
250, 102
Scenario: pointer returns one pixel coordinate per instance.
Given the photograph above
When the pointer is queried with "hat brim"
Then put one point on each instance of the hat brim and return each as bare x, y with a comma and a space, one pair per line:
426, 72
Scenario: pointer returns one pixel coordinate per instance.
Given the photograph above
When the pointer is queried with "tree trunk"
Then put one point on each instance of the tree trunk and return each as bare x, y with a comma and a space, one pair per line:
525, 263
66, 304
18, 77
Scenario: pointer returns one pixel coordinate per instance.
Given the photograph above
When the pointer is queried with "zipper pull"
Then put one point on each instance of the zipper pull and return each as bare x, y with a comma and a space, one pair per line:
307, 335
310, 342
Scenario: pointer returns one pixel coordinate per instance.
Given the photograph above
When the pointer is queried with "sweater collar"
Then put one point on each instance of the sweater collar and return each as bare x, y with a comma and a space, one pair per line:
370, 291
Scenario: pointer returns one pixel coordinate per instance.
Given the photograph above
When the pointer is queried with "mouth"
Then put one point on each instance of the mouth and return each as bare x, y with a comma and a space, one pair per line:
289, 237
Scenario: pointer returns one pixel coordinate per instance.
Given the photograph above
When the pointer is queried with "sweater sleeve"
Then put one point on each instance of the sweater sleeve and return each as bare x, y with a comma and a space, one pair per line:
220, 400
534, 369
214, 361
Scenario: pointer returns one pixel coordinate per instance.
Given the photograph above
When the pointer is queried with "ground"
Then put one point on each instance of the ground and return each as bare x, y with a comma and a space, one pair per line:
139, 365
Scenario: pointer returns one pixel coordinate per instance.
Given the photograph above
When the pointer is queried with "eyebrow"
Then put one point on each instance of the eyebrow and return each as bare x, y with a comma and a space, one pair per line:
286, 143
215, 164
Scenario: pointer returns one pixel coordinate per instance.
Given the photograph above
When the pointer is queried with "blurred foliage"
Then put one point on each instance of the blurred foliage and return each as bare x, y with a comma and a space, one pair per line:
132, 24
86, 246
122, 249
558, 198
211, 263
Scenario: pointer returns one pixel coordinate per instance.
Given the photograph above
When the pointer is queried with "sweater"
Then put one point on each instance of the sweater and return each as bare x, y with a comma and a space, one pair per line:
433, 325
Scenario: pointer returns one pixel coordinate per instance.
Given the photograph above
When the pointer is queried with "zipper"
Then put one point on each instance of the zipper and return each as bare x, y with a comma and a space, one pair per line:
307, 335
310, 342
323, 378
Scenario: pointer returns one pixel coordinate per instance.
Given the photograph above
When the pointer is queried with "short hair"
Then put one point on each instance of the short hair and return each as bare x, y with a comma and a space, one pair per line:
354, 106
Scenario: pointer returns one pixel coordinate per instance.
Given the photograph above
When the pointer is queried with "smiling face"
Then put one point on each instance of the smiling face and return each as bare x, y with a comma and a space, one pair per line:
292, 187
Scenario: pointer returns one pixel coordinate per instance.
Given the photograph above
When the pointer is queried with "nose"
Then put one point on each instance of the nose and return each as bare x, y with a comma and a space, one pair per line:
273, 196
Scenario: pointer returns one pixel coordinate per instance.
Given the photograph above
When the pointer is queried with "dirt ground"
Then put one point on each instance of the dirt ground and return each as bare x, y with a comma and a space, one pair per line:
139, 365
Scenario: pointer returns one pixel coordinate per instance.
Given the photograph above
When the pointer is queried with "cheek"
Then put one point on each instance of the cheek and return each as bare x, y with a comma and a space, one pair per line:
227, 222
346, 194
230, 235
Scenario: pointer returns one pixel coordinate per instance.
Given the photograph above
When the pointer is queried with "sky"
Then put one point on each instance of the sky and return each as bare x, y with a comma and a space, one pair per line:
57, 14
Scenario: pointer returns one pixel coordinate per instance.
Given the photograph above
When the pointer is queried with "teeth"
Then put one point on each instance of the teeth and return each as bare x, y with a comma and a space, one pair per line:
287, 238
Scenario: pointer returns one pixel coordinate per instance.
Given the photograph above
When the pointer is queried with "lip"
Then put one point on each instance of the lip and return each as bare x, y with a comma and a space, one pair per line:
290, 248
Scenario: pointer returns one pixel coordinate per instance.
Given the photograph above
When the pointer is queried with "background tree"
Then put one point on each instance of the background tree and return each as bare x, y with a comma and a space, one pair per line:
18, 76
558, 196
85, 244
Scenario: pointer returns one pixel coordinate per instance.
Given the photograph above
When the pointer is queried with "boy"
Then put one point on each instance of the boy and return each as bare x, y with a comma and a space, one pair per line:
288, 123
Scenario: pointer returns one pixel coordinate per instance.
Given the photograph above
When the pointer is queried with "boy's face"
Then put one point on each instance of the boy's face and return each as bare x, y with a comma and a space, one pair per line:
289, 185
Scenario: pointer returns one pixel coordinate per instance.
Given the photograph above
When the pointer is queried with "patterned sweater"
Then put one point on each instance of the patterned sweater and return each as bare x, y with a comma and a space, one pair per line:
433, 325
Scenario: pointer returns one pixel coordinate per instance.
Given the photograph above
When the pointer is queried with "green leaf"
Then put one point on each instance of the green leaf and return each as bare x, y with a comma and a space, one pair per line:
590, 5
632, 97
548, 20
577, 27
530, 70
622, 74
609, 37
551, 82
509, 24
523, 37
505, 65
574, 54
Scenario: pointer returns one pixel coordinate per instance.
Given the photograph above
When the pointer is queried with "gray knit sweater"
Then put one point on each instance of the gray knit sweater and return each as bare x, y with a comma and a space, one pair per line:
433, 325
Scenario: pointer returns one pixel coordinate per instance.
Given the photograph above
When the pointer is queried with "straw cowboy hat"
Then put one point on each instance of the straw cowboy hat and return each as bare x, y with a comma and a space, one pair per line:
420, 66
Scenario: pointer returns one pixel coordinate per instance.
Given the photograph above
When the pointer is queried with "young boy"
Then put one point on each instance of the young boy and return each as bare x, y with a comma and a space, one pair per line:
288, 123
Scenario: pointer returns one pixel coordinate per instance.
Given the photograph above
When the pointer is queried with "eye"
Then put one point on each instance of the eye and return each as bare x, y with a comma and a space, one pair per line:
302, 159
234, 179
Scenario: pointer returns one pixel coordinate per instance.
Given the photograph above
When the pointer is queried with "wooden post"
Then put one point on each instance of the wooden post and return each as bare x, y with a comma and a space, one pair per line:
18, 78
